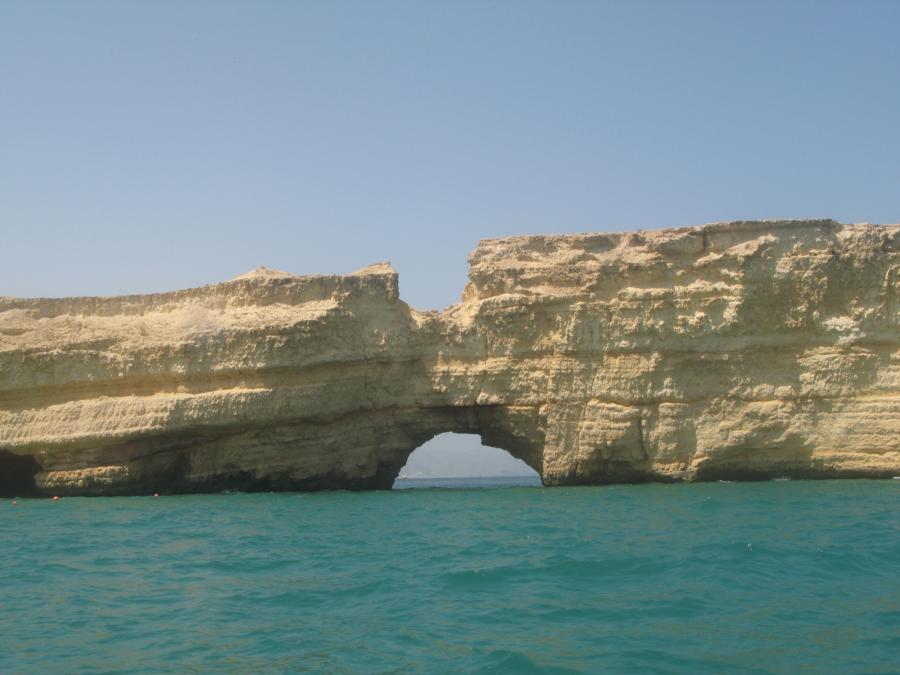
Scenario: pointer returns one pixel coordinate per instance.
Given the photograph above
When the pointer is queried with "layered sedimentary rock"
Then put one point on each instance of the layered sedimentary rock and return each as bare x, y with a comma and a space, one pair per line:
729, 351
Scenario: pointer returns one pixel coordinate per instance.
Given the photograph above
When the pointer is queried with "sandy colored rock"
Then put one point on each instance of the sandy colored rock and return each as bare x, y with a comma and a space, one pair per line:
729, 351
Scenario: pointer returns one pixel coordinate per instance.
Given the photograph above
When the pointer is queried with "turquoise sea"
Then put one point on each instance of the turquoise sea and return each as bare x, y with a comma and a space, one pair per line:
778, 577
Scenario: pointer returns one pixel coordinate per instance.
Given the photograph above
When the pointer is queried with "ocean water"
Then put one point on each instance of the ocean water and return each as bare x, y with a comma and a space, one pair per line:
777, 577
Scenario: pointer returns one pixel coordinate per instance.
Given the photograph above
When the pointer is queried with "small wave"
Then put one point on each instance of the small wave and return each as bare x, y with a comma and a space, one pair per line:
482, 578
510, 661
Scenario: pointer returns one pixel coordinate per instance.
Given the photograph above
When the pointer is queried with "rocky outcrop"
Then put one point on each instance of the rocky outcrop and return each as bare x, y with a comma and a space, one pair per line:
730, 351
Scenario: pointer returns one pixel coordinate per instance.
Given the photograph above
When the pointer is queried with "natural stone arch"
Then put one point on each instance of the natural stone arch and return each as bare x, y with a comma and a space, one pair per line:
511, 430
456, 455
749, 348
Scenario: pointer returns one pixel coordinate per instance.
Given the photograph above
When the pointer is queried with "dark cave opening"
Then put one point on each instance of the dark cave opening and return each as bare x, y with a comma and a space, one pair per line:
17, 475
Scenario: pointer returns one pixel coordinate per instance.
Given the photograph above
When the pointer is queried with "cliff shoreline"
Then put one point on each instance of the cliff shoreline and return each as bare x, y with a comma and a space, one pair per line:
731, 351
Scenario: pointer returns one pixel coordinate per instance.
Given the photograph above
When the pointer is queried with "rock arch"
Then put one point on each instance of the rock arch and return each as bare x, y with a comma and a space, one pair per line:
750, 348
457, 456
489, 423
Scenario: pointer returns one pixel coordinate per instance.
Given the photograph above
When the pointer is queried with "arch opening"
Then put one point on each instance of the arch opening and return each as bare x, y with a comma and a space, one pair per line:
461, 460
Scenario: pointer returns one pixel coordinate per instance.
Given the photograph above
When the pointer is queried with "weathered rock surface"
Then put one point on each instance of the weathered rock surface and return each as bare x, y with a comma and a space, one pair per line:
730, 351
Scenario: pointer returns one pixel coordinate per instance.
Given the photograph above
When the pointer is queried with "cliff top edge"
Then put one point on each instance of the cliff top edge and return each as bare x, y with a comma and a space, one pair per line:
264, 276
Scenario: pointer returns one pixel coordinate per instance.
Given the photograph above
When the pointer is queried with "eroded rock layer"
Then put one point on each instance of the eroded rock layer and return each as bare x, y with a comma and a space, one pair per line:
730, 351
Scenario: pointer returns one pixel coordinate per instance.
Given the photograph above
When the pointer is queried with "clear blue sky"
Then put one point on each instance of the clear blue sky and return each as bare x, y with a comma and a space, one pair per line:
156, 145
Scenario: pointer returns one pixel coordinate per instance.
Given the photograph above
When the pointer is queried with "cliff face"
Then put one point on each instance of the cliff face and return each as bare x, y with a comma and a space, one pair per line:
736, 351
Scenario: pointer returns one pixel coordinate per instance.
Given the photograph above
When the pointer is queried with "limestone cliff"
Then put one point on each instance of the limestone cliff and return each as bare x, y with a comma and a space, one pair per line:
736, 350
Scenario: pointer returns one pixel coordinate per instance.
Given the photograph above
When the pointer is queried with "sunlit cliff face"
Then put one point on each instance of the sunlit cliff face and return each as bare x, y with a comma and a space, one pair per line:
738, 350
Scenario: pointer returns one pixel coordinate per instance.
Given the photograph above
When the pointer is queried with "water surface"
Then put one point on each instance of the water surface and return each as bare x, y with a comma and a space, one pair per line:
741, 578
